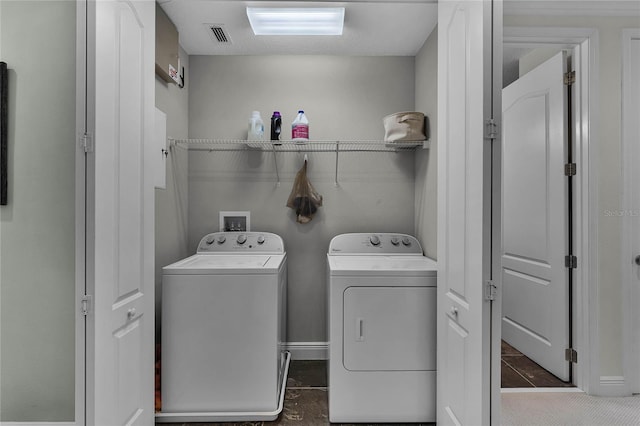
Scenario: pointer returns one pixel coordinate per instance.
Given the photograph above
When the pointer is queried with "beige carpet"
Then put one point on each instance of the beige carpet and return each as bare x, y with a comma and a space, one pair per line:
537, 408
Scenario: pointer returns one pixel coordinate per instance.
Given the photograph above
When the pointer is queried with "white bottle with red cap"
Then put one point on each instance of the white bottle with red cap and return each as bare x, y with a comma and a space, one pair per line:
300, 128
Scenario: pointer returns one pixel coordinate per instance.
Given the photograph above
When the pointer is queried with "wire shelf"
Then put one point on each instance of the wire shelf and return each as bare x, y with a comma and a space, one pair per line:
213, 145
334, 146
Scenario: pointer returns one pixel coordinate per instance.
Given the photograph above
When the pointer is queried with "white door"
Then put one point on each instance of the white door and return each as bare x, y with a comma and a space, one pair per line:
120, 212
535, 280
464, 214
631, 200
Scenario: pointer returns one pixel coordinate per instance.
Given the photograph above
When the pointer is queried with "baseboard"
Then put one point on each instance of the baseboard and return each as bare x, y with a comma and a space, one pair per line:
308, 350
613, 386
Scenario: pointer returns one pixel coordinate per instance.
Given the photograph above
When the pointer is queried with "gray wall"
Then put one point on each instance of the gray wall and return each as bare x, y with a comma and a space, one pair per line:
606, 145
344, 98
427, 159
172, 202
37, 234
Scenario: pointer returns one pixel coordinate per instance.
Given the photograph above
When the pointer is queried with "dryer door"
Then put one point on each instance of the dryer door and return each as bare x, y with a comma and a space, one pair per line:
389, 328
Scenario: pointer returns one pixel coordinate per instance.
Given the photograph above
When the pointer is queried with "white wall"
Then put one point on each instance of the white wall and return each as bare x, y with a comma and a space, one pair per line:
426, 188
606, 144
172, 202
37, 252
344, 98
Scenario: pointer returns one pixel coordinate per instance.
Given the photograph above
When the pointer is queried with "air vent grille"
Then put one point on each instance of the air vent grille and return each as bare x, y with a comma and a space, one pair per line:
220, 34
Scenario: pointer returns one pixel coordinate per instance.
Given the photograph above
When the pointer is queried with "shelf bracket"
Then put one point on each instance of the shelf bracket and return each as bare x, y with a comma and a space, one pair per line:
336, 175
275, 162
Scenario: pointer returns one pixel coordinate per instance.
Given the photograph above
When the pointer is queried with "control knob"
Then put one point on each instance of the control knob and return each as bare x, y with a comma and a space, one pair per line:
241, 239
221, 239
406, 241
395, 241
209, 240
260, 239
374, 240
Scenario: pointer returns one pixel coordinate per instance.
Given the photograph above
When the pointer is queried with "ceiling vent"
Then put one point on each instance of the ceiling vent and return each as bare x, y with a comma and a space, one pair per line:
218, 33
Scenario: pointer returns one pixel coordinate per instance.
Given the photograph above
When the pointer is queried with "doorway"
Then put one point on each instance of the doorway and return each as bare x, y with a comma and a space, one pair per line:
537, 219
582, 44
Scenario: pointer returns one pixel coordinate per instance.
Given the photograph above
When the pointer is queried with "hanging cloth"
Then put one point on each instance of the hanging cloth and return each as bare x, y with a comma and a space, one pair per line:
303, 198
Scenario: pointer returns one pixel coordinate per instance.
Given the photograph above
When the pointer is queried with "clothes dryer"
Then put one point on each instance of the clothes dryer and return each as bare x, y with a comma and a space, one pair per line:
223, 330
382, 329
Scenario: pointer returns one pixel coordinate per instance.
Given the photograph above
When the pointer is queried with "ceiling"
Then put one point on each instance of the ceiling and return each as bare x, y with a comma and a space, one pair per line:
371, 28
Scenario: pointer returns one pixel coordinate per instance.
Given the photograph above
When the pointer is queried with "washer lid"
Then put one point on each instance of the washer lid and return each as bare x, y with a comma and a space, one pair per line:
382, 265
226, 264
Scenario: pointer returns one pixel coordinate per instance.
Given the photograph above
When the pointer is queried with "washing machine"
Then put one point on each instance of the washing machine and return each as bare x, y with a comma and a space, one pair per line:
223, 330
382, 329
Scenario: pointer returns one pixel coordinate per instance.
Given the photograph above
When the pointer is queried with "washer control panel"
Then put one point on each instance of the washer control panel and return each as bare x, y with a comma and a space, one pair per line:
385, 243
241, 242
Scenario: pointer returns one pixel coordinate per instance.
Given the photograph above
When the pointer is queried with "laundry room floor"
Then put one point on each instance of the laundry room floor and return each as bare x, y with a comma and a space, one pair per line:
306, 395
305, 400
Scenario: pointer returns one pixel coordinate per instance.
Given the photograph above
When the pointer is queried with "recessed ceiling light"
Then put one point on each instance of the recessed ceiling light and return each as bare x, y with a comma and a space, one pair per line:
296, 21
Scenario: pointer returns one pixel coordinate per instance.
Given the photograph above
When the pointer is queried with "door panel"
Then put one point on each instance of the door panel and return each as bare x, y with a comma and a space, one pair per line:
121, 217
464, 184
535, 215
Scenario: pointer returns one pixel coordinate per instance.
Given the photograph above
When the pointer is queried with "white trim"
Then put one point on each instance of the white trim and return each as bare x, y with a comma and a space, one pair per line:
612, 380
586, 329
495, 320
308, 350
613, 386
629, 157
541, 390
569, 8
80, 261
584, 42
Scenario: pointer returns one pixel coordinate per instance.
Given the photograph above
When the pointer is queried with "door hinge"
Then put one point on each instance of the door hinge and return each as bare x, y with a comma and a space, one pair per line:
490, 291
85, 304
490, 129
570, 169
570, 262
571, 355
86, 142
570, 78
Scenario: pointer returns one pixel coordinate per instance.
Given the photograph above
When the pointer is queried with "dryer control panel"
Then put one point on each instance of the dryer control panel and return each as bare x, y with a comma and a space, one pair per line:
385, 243
241, 242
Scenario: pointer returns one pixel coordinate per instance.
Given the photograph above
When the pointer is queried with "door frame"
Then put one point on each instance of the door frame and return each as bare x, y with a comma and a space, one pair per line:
584, 43
80, 211
630, 292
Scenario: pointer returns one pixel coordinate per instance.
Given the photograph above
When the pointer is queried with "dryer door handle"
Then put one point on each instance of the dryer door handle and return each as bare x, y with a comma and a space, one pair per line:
359, 329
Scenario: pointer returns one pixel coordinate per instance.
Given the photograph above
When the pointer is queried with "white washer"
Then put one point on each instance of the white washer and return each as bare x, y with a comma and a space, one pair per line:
382, 329
223, 328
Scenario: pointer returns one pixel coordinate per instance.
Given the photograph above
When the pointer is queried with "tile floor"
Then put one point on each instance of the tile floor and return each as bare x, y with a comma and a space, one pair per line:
306, 395
305, 402
518, 371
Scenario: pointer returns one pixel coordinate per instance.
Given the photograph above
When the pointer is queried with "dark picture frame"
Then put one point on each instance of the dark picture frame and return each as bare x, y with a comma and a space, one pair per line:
4, 118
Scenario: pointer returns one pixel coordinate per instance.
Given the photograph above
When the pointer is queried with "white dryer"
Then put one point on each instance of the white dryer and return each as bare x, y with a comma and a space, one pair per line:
382, 329
223, 330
